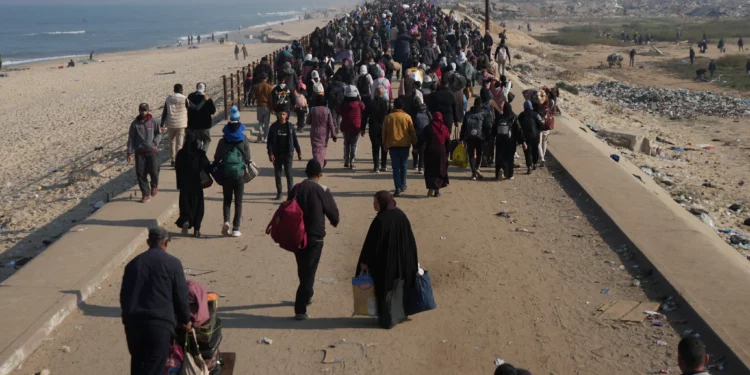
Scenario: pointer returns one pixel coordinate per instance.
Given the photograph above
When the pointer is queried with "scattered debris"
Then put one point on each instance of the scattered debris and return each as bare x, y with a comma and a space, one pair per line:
499, 362
615, 157
197, 272
605, 291
326, 280
265, 340
522, 230
661, 343
670, 102
65, 349
505, 214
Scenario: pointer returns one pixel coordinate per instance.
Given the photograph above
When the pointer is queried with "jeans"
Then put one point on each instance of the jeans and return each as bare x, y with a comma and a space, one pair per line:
307, 266
264, 121
417, 155
233, 188
399, 160
284, 162
149, 348
336, 119
379, 155
147, 166
472, 147
543, 136
351, 141
301, 112
176, 139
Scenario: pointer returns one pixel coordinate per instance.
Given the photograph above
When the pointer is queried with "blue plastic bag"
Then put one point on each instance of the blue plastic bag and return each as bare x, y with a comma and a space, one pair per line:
420, 296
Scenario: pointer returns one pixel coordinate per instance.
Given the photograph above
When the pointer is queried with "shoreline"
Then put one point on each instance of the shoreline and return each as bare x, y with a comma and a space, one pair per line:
10, 66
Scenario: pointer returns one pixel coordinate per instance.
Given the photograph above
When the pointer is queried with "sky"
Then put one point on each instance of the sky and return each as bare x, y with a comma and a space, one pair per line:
127, 2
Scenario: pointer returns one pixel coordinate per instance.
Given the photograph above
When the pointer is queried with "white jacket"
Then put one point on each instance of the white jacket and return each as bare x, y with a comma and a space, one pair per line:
175, 110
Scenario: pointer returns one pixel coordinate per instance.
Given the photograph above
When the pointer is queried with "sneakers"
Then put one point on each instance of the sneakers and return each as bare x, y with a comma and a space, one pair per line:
301, 317
145, 199
397, 193
225, 229
437, 193
154, 190
351, 166
197, 234
185, 228
278, 197
528, 170
346, 164
384, 169
236, 233
375, 171
420, 171
473, 178
479, 175
403, 189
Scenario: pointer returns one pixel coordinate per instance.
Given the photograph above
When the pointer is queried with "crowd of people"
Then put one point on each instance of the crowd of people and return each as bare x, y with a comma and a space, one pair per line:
453, 98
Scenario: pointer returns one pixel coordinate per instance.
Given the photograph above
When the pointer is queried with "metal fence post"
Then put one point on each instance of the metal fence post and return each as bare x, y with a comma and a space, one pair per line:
240, 85
231, 88
226, 111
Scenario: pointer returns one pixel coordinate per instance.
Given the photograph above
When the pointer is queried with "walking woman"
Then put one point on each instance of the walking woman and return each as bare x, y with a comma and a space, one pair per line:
389, 255
191, 160
435, 139
233, 150
321, 128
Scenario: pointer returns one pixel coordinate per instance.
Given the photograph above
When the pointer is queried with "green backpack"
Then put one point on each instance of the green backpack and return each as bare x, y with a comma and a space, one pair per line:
234, 163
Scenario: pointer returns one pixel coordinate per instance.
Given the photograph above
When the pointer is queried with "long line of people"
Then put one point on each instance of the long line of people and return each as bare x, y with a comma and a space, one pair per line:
342, 83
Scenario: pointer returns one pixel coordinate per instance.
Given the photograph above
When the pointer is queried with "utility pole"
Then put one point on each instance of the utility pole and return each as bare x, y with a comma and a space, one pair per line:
486, 14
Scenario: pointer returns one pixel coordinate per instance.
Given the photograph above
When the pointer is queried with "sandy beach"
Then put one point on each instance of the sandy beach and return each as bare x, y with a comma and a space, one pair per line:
59, 121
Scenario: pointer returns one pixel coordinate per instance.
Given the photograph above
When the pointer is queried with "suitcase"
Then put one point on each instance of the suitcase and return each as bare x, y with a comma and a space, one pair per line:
209, 349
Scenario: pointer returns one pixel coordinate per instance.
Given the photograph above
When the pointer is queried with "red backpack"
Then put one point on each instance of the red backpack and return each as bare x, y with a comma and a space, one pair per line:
287, 227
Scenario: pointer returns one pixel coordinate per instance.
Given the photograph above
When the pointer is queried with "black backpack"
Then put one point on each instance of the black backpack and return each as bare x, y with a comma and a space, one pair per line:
473, 123
335, 93
372, 70
363, 86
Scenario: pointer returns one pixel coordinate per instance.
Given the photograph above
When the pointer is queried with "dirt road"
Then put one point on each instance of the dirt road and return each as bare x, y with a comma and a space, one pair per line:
528, 298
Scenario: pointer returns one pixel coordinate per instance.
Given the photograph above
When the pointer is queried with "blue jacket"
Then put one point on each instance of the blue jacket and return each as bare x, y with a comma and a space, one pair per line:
272, 143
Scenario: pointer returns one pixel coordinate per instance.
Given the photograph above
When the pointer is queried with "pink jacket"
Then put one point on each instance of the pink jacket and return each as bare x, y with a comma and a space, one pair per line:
198, 299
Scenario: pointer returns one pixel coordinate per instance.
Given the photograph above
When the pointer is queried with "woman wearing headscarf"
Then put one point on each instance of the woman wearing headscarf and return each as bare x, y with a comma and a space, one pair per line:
189, 163
435, 140
389, 255
508, 136
531, 126
321, 129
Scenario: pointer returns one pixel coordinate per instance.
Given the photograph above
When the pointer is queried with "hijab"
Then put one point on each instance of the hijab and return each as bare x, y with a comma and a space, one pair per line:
385, 201
440, 132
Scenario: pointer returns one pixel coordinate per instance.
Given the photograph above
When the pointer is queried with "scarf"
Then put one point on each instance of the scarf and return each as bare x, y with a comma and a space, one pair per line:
385, 201
440, 133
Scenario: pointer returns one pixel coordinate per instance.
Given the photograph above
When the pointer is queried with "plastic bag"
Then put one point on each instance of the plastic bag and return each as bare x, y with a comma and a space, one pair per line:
363, 290
460, 157
420, 297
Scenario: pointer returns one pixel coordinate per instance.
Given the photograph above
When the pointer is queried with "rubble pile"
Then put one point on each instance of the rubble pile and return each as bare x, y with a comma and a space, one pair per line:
670, 102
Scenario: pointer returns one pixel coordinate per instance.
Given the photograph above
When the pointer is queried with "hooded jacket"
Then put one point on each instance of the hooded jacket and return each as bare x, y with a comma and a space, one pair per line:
262, 92
144, 136
234, 135
289, 76
175, 114
351, 115
443, 100
200, 111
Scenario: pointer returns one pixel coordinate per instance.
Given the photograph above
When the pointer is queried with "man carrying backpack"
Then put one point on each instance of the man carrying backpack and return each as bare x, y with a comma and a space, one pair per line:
232, 155
502, 56
281, 144
200, 109
317, 204
475, 129
531, 126
508, 136
364, 86
335, 97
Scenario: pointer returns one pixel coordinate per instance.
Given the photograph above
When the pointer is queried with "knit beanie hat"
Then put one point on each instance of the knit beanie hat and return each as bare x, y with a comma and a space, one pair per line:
234, 114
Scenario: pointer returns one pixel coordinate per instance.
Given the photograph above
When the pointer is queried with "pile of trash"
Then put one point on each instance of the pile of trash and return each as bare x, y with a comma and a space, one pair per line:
670, 102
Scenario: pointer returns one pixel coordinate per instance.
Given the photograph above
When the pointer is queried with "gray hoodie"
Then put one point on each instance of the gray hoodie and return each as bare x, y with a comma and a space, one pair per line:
144, 136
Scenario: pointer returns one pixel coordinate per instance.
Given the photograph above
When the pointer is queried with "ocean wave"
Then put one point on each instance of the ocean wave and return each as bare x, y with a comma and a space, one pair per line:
41, 59
287, 13
219, 34
58, 33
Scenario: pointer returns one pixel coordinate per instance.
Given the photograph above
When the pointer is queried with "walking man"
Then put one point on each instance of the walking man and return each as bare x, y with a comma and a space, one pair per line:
154, 301
740, 44
262, 94
398, 136
281, 144
475, 129
200, 109
143, 141
317, 203
236, 52
531, 126
632, 57
174, 118
712, 67
692, 55
244, 52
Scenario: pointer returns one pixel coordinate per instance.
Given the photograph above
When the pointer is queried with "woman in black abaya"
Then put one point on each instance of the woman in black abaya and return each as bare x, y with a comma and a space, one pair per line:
189, 163
389, 254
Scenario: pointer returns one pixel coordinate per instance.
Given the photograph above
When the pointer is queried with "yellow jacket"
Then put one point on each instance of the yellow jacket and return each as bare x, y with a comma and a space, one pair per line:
398, 130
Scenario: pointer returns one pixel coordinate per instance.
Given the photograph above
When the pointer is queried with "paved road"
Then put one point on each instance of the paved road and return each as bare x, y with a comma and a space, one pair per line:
528, 298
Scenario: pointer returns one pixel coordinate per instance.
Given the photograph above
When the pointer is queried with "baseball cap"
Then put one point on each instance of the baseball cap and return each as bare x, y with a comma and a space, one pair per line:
143, 107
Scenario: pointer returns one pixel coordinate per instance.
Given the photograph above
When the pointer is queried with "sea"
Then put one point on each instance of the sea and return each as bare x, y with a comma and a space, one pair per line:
33, 33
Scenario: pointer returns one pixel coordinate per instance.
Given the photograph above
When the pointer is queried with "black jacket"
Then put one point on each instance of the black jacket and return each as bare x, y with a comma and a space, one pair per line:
444, 101
531, 124
273, 145
200, 111
154, 291
317, 204
377, 110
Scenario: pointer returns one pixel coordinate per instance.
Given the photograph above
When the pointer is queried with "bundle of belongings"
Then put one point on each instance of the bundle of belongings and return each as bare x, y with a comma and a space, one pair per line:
207, 327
